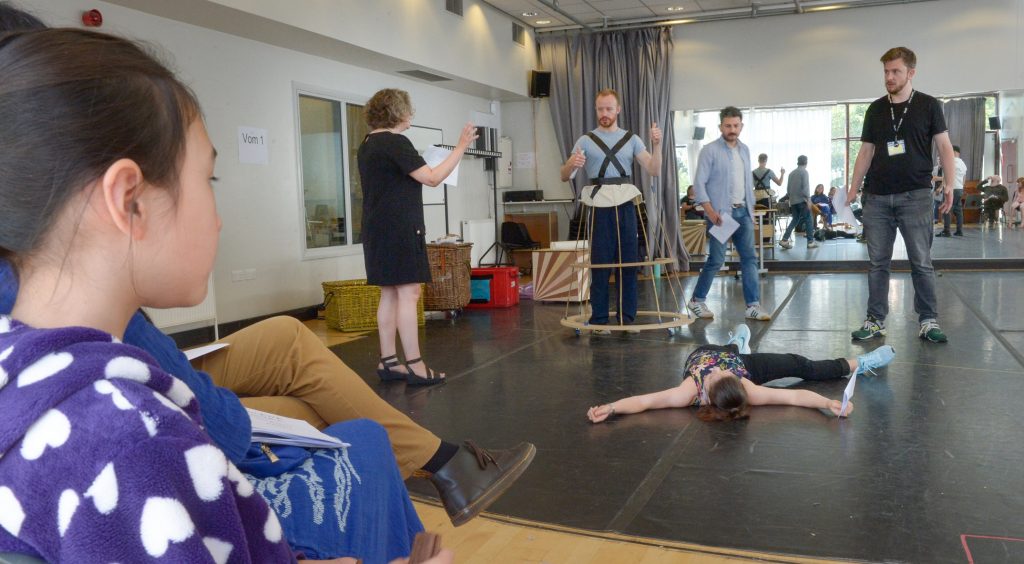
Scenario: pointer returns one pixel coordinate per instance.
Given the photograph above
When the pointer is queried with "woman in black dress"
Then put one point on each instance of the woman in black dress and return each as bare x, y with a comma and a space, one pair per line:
394, 248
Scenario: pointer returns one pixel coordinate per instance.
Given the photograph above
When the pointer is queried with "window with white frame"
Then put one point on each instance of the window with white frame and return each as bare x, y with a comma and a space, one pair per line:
330, 131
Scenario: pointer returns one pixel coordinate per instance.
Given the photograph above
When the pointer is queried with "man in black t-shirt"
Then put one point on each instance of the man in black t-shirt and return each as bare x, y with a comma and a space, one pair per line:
896, 166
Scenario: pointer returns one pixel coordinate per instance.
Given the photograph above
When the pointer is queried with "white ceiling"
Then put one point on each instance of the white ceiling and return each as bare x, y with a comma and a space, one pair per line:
597, 14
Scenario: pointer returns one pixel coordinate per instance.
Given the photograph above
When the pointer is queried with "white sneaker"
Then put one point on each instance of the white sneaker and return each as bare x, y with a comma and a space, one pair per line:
601, 331
786, 244
813, 245
700, 310
740, 336
754, 312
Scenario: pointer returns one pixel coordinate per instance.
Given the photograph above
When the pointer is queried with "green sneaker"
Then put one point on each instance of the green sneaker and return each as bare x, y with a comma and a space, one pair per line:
872, 328
930, 331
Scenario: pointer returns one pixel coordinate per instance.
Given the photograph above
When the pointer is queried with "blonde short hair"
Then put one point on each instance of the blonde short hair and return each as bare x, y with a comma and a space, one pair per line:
387, 108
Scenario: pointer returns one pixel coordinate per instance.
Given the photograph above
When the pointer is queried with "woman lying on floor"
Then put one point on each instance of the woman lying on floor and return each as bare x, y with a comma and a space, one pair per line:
724, 381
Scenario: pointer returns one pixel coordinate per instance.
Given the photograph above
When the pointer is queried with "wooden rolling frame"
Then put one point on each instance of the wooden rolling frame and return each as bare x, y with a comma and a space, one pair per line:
676, 320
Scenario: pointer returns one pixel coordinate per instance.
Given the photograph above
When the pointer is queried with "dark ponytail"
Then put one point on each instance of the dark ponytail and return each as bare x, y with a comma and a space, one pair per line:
73, 102
728, 401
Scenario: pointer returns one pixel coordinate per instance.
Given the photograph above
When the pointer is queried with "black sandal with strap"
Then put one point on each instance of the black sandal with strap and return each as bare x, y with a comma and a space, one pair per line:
413, 379
388, 375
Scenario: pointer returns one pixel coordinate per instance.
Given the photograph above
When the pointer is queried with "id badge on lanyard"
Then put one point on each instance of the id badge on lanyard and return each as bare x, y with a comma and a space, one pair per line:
897, 147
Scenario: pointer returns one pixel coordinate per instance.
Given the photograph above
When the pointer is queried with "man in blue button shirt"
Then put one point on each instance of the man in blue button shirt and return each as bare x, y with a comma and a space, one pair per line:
724, 187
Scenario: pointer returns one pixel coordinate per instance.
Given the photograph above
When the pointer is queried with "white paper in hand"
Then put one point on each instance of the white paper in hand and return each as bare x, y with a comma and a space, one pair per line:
848, 393
724, 230
434, 156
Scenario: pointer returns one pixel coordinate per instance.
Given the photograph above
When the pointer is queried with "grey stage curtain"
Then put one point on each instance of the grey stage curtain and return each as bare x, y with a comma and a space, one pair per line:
637, 64
965, 118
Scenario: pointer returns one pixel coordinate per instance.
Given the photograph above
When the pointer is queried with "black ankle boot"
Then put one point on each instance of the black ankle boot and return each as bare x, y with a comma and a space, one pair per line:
474, 478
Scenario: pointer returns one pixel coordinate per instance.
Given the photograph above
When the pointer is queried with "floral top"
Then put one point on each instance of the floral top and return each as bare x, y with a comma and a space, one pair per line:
700, 363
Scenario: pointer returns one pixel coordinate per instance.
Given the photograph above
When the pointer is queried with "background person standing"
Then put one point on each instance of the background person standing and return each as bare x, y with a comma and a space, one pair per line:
724, 186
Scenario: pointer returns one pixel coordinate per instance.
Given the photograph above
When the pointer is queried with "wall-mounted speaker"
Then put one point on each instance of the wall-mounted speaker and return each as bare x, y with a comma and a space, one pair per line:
994, 123
698, 133
540, 84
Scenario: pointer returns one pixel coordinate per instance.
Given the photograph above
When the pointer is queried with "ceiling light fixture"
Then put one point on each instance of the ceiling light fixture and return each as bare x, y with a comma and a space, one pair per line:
529, 14
542, 22
678, 22
825, 8
674, 9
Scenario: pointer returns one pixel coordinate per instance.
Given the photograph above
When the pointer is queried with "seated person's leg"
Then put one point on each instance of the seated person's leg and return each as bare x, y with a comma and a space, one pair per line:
282, 357
346, 502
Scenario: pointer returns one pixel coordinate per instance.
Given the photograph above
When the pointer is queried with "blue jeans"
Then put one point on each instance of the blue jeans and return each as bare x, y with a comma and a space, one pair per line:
743, 239
614, 240
910, 212
957, 211
801, 214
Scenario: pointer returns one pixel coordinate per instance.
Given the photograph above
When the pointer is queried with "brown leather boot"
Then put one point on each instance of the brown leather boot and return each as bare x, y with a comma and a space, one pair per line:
475, 478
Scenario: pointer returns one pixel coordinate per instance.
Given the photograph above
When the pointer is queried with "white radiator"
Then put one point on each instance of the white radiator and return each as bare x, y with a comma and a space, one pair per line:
480, 232
185, 318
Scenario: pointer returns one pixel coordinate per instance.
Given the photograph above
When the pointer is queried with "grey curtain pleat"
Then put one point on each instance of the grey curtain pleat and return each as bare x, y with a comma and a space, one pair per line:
637, 64
965, 118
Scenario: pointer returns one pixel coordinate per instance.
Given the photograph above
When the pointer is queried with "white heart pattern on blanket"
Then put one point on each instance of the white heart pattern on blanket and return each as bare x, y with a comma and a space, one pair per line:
103, 490
207, 467
66, 508
106, 388
13, 515
51, 430
164, 520
179, 393
272, 528
44, 368
128, 368
219, 550
3, 373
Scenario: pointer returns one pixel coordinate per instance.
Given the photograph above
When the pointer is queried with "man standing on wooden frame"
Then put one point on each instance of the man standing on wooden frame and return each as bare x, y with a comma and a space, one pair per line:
608, 153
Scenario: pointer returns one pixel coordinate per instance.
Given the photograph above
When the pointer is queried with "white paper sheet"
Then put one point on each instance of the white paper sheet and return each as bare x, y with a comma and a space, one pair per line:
848, 392
724, 230
434, 156
197, 352
843, 213
278, 430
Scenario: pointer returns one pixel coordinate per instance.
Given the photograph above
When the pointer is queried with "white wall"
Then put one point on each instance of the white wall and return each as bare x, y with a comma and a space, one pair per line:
528, 123
244, 82
478, 46
962, 46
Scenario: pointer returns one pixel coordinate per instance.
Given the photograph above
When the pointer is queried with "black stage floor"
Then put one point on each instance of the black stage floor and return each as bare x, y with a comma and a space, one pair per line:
928, 469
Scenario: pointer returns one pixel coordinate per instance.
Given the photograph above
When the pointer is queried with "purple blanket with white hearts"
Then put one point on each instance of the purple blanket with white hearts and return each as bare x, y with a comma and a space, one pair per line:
103, 459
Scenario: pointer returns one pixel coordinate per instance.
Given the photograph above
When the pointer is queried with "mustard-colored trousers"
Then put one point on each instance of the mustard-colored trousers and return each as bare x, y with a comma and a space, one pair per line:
279, 366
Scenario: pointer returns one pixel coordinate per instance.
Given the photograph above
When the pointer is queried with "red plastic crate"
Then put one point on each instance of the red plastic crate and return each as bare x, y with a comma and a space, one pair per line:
494, 287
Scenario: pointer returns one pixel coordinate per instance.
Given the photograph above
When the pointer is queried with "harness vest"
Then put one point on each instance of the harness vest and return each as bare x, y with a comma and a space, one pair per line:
620, 190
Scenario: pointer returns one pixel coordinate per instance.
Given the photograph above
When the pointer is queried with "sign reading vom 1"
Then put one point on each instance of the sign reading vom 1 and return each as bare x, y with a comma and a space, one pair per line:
252, 146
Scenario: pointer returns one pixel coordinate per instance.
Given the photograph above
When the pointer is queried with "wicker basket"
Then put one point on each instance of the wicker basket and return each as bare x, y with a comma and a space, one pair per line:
450, 267
351, 305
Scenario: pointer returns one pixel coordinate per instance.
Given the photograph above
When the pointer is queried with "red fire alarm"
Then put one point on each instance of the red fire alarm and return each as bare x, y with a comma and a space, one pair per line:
92, 18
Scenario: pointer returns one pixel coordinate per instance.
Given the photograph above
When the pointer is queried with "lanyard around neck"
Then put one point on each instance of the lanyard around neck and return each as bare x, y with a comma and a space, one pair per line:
892, 114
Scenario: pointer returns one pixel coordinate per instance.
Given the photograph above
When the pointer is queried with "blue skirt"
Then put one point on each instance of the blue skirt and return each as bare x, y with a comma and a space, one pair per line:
345, 502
